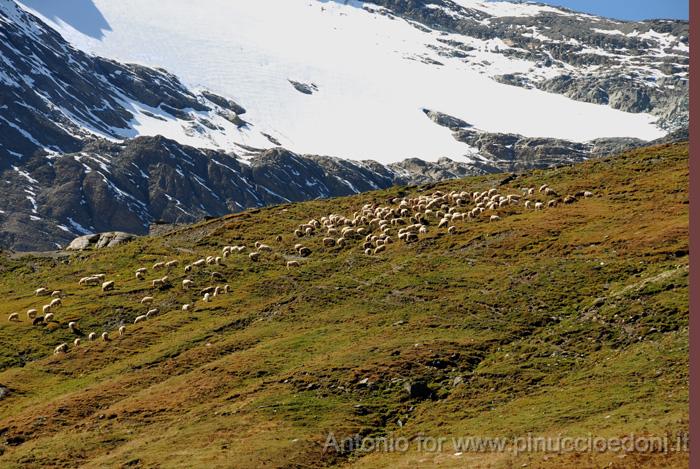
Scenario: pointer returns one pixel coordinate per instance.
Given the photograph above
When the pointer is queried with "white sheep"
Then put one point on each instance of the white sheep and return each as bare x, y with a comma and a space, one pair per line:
105, 336
107, 286
31, 313
72, 326
588, 194
14, 317
142, 270
494, 218
186, 284
254, 256
539, 206
207, 298
92, 336
45, 309
147, 300
528, 204
172, 264
186, 307
41, 292
122, 331
63, 348
160, 282
55, 303
158, 265
227, 289
91, 281
76, 342
56, 293
291, 264
452, 230
140, 276
140, 318
48, 317
152, 312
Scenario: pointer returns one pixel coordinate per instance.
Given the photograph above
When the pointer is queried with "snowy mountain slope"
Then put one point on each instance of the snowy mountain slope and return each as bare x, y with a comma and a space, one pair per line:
54, 97
375, 66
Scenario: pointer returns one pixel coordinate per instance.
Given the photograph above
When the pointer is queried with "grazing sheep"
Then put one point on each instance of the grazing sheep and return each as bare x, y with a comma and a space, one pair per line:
186, 284
55, 303
140, 276
329, 242
160, 282
76, 342
108, 286
56, 293
263, 247
304, 251
171, 264
539, 206
291, 264
48, 317
92, 281
443, 223
254, 256
41, 292
552, 203
142, 270
452, 230
217, 291
199, 263
158, 265
218, 260
152, 312
227, 289
100, 276
140, 318
217, 275
543, 187
494, 218
63, 348
122, 331
528, 204
550, 191
379, 249
588, 194
147, 300
45, 309
188, 268
207, 298
186, 307
105, 337
569, 199
72, 326
14, 317
31, 313
92, 336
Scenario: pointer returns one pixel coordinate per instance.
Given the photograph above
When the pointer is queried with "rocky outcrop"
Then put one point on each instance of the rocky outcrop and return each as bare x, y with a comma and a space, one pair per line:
100, 241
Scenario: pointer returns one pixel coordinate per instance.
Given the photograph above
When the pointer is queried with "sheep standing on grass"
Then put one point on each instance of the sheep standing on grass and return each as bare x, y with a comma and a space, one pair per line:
92, 336
41, 291
186, 307
152, 312
140, 318
108, 286
48, 318
186, 284
122, 331
14, 317
76, 342
55, 303
63, 348
105, 337
31, 313
147, 300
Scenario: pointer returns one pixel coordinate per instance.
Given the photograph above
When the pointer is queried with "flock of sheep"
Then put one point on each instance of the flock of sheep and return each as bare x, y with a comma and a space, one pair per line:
373, 228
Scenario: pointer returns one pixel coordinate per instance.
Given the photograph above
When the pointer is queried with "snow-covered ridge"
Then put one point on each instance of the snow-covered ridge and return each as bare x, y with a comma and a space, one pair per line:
374, 74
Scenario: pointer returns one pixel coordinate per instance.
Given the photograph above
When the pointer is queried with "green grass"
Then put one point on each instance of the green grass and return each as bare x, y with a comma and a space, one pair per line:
260, 376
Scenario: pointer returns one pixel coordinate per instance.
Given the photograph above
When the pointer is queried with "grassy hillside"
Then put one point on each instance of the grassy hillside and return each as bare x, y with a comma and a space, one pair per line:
572, 320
